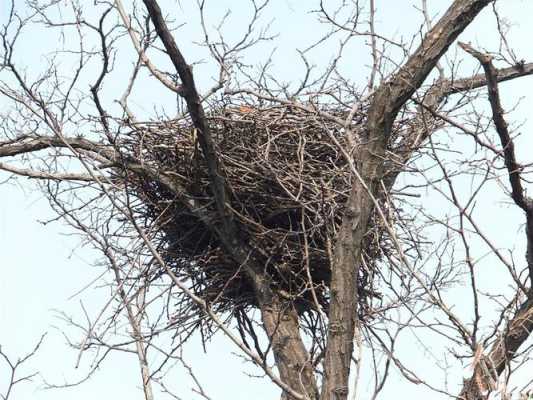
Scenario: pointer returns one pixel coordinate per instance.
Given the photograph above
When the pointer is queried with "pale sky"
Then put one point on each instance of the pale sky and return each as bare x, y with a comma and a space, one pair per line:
43, 266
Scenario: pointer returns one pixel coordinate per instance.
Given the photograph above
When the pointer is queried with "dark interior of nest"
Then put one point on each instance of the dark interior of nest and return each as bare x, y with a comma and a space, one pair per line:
288, 183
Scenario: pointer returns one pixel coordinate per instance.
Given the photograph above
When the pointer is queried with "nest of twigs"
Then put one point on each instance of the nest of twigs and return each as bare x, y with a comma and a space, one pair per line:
288, 183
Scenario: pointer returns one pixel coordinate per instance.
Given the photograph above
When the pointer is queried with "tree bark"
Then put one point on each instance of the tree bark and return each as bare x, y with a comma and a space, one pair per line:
280, 321
292, 358
390, 96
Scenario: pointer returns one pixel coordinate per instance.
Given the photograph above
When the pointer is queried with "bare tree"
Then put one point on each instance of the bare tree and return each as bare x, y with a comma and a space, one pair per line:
284, 216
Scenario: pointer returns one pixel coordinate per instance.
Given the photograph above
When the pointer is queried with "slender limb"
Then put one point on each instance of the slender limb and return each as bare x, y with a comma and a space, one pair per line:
140, 51
489, 366
13, 368
280, 320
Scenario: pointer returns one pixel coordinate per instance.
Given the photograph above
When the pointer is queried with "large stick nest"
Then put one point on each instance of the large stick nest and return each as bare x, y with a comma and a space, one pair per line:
288, 183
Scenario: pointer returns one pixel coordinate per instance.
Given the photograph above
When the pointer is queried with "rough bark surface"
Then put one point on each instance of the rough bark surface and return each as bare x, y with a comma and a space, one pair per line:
280, 321
387, 101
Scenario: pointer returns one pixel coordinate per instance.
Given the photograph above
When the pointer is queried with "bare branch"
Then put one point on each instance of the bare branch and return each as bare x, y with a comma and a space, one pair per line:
142, 55
518, 329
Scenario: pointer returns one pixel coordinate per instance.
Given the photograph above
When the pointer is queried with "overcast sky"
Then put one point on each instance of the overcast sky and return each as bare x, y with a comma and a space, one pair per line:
44, 268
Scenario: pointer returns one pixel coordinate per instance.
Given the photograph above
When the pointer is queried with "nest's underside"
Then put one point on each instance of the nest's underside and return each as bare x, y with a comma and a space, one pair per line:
288, 183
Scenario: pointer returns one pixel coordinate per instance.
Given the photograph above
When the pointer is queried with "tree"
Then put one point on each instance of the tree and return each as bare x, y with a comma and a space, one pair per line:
285, 199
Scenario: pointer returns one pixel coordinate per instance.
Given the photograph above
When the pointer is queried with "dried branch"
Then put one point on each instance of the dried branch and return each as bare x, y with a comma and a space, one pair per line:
142, 55
518, 329
281, 328
14, 368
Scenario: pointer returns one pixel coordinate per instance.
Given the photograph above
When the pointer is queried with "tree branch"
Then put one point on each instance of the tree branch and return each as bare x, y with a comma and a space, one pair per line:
384, 107
24, 145
142, 55
513, 168
480, 80
518, 329
35, 174
279, 317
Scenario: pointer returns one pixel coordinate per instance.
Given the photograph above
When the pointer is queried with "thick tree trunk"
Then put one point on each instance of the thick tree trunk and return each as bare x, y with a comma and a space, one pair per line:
345, 268
386, 103
280, 322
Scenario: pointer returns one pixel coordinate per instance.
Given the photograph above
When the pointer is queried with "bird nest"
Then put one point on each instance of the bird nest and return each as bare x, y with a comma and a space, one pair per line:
288, 183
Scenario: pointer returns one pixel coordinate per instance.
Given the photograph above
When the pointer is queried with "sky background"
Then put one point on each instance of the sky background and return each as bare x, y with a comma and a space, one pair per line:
44, 267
